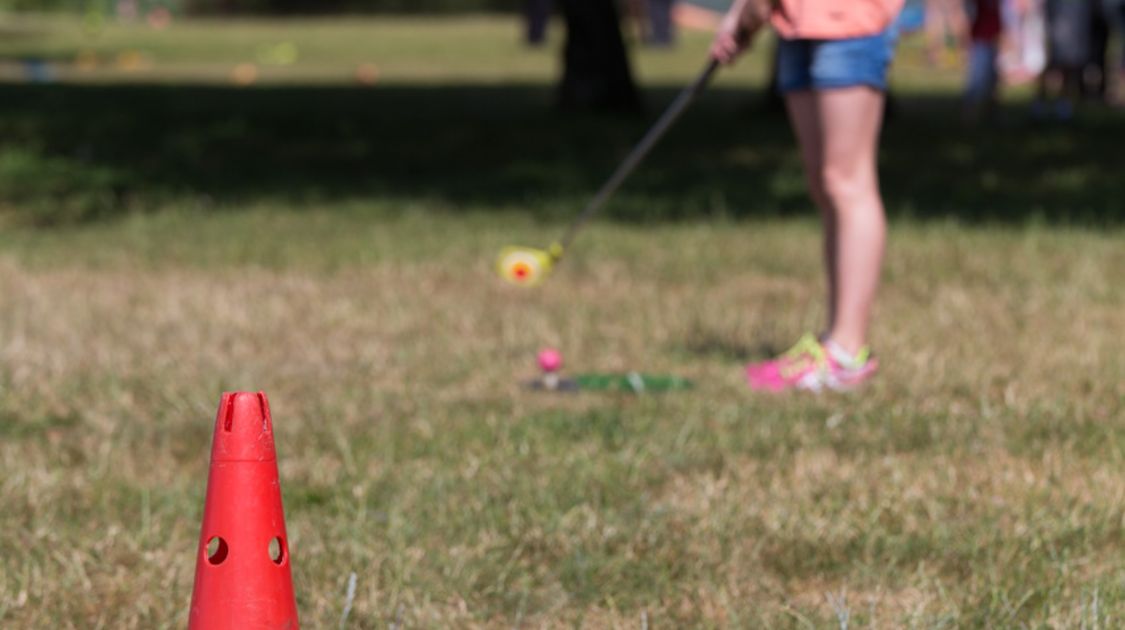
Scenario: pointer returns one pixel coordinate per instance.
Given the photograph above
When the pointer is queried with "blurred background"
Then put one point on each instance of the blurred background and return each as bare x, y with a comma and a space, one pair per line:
306, 197
118, 107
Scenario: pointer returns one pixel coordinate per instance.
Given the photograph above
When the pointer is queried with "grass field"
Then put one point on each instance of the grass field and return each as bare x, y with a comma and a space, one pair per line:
168, 236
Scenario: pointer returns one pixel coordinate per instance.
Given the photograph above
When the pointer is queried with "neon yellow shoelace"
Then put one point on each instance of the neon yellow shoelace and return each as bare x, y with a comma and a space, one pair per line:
798, 358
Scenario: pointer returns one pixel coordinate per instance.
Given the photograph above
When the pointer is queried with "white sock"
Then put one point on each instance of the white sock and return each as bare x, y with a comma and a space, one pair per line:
843, 357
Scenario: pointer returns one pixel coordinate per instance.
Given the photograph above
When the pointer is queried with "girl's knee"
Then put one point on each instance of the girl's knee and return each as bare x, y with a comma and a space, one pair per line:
848, 186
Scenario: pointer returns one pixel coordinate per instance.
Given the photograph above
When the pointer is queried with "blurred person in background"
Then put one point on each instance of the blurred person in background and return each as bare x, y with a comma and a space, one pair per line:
1023, 52
1115, 12
635, 13
982, 75
1069, 51
945, 28
662, 30
654, 21
537, 15
832, 64
1095, 76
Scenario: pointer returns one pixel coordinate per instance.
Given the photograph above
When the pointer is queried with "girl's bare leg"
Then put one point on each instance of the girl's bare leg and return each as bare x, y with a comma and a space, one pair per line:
850, 121
805, 118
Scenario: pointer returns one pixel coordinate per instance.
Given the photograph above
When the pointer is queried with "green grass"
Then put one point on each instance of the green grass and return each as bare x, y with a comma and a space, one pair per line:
170, 237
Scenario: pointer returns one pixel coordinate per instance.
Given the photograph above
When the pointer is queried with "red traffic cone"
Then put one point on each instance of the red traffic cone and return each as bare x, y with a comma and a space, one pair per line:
242, 575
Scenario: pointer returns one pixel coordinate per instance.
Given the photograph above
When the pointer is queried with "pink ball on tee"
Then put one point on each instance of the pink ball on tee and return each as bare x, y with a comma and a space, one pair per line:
550, 360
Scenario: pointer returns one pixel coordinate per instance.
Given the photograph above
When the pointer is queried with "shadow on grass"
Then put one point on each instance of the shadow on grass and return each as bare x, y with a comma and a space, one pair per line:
79, 153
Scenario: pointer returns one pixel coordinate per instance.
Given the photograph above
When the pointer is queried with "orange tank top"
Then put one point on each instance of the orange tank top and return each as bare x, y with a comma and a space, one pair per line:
833, 19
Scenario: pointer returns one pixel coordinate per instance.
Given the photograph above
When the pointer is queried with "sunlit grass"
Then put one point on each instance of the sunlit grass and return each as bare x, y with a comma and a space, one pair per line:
978, 482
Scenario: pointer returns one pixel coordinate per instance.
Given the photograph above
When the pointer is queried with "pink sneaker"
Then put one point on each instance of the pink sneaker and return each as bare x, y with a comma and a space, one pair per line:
812, 366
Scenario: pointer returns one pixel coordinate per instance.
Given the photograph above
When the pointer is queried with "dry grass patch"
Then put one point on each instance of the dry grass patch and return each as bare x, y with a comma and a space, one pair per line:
977, 483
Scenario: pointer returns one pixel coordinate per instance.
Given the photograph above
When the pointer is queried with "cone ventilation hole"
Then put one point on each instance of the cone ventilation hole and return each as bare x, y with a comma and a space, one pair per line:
277, 550
216, 550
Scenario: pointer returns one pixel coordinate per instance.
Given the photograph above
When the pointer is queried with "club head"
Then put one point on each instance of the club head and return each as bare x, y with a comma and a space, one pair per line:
524, 266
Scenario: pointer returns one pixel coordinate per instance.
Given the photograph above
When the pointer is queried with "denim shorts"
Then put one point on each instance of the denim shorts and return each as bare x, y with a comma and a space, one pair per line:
819, 64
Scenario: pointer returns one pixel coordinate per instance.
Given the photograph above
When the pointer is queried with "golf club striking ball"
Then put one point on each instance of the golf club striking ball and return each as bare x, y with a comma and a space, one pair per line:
550, 360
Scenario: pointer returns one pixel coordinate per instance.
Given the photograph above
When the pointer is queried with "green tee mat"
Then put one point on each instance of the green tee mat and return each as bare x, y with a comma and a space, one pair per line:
630, 382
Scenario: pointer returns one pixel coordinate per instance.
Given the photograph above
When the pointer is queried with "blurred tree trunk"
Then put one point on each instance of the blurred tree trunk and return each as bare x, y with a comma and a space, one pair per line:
596, 73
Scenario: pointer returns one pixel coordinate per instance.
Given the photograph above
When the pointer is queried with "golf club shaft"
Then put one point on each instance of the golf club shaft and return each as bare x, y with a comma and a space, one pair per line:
640, 151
